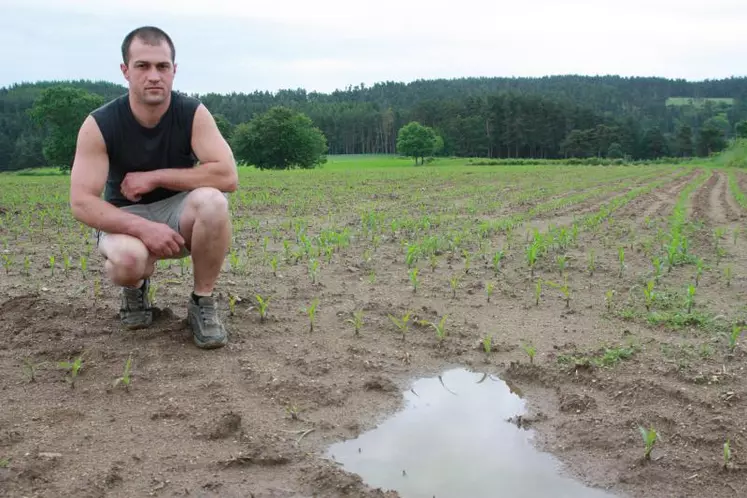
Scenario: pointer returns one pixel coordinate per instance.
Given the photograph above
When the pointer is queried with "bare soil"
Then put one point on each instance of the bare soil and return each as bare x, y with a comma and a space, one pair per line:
254, 418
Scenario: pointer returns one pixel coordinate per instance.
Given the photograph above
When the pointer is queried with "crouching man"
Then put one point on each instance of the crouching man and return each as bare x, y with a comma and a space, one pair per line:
164, 170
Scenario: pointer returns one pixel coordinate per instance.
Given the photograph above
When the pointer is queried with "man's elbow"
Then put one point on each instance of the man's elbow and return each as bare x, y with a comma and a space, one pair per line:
232, 179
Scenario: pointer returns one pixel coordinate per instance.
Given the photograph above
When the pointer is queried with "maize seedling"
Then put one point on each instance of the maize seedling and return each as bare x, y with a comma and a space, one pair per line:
357, 321
401, 323
648, 293
608, 298
414, 279
531, 351
311, 311
727, 275
650, 436
262, 304
73, 367
440, 329
736, 331
690, 297
125, 379
727, 454
487, 344
489, 286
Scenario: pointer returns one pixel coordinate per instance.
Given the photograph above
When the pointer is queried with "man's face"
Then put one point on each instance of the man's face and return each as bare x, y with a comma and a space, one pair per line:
150, 71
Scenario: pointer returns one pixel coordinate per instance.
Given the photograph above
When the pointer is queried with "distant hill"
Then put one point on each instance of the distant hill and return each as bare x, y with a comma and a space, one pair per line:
552, 116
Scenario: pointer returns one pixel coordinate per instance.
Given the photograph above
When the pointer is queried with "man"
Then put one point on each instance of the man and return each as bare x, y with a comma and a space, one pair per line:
141, 150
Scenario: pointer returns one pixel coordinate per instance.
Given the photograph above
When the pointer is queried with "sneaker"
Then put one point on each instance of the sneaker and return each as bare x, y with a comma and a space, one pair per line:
207, 330
136, 311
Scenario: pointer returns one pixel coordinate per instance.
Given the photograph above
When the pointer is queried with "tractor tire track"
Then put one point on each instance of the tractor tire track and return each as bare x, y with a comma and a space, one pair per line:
733, 211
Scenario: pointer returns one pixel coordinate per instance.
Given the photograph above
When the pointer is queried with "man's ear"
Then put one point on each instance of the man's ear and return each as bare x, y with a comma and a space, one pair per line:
123, 67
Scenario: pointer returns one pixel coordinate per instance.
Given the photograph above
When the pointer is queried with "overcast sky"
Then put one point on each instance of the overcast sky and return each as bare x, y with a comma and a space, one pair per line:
226, 45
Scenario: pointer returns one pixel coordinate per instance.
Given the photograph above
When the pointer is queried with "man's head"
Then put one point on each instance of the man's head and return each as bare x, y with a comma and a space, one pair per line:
148, 64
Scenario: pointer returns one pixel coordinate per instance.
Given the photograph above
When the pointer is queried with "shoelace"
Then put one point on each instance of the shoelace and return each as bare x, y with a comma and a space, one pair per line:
208, 313
133, 299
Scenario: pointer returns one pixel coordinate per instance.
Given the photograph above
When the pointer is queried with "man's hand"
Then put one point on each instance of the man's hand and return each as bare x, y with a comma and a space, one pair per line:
161, 240
138, 183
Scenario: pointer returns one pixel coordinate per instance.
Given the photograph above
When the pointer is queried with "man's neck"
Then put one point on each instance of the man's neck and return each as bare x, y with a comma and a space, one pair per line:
148, 115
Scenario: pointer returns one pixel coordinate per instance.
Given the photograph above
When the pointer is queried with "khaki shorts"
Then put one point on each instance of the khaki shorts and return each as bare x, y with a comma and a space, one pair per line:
167, 211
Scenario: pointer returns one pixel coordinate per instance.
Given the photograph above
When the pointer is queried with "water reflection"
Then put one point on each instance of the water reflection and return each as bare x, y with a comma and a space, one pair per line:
453, 439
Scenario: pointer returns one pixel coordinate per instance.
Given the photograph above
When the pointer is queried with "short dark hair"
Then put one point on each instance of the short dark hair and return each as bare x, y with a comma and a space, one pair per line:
150, 35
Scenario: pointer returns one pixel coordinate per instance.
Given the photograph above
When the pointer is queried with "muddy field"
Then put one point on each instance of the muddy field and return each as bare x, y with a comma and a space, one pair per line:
255, 418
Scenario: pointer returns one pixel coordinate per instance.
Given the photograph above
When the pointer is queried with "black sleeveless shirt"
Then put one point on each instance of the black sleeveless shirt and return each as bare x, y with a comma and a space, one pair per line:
133, 147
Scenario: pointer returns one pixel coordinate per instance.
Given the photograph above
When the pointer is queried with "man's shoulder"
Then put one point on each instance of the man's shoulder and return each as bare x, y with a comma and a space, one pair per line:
184, 101
108, 113
112, 106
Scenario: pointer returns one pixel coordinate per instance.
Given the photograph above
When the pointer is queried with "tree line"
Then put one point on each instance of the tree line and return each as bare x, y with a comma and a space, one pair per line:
550, 117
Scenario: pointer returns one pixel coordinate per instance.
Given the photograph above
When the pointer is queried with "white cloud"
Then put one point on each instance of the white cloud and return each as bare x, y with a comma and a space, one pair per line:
227, 46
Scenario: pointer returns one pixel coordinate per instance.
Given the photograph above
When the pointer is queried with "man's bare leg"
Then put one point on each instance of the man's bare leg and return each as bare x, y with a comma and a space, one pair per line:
128, 264
206, 227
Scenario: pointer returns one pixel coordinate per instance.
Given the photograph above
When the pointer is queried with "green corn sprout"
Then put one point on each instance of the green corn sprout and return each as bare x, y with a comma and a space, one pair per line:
73, 367
621, 259
657, 268
497, 257
591, 263
489, 287
562, 261
487, 344
313, 270
538, 291
414, 279
401, 323
51, 263
690, 297
727, 454
83, 265
30, 368
357, 321
454, 283
311, 312
262, 304
727, 275
433, 262
650, 436
648, 293
467, 258
152, 292
736, 331
698, 270
530, 350
274, 265
125, 379
6, 263
231, 304
531, 254
440, 329
608, 298
26, 265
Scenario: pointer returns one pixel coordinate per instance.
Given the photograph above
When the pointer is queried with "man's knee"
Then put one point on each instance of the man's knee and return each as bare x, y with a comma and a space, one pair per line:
128, 259
210, 201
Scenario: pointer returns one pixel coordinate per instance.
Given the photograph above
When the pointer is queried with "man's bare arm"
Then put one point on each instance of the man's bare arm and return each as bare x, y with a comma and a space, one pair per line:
87, 181
217, 166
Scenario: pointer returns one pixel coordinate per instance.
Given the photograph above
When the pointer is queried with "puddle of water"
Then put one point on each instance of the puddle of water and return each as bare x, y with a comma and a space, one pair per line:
452, 439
